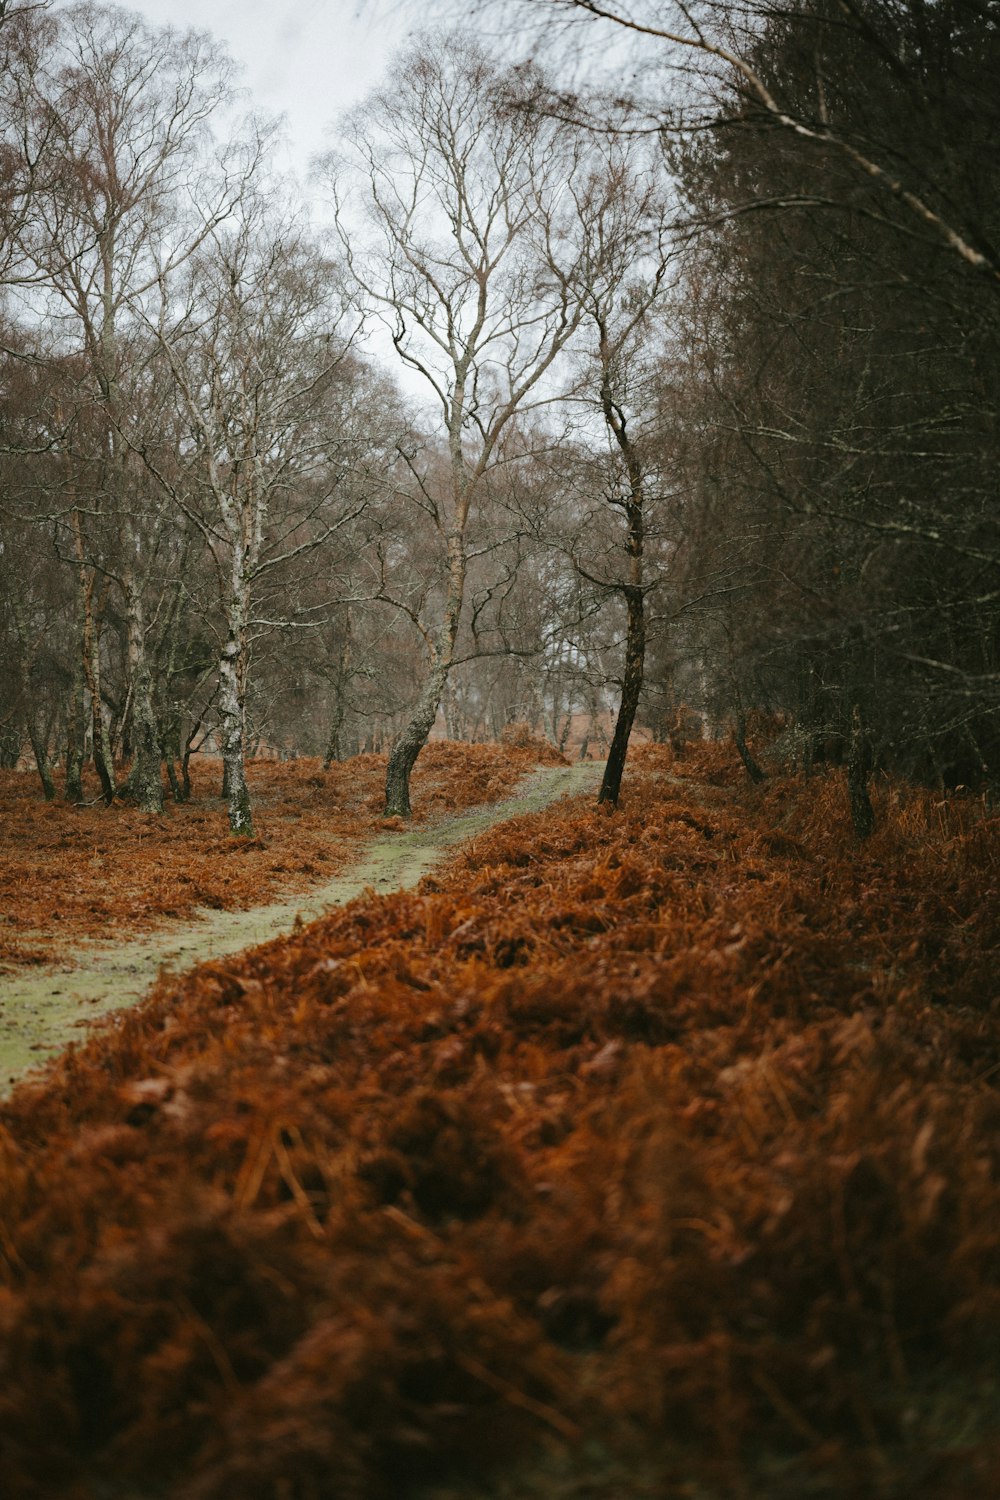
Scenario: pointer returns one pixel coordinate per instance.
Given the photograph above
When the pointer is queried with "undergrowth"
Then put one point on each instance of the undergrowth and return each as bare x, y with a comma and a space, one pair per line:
91, 871
645, 1153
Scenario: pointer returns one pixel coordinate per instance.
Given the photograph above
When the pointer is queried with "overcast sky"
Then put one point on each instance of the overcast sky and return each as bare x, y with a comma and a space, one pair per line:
309, 60
305, 59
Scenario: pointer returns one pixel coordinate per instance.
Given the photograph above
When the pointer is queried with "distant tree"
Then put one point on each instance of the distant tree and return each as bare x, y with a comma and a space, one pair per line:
463, 240
119, 113
857, 355
620, 295
256, 342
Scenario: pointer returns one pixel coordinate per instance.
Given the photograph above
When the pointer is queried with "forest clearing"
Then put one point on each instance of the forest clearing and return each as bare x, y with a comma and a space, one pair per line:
636, 1152
79, 968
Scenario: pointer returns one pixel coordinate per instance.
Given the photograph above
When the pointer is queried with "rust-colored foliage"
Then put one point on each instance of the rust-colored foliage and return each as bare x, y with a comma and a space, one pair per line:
96, 872
668, 1137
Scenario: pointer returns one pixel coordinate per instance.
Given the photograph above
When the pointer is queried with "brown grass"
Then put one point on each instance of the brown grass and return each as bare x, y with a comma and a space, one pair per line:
647, 1153
98, 872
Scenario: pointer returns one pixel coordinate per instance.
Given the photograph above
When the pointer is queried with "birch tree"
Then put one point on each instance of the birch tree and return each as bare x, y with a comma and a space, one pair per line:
256, 343
123, 111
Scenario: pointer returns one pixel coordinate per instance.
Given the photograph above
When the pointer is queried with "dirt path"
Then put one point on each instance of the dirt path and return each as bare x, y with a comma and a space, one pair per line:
41, 1010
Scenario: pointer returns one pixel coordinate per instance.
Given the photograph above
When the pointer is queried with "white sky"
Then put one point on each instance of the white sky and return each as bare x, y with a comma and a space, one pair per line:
309, 60
305, 59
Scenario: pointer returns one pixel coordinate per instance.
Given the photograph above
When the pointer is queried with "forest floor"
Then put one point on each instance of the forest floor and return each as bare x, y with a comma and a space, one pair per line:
638, 1154
79, 872
62, 978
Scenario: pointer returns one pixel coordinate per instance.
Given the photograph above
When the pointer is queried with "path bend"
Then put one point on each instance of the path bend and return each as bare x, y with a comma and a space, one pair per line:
43, 1009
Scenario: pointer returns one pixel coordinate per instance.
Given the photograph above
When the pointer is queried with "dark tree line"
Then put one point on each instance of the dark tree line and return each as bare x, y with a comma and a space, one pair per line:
832, 372
851, 360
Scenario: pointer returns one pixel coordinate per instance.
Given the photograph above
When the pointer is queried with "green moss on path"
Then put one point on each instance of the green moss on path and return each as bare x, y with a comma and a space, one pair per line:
41, 1010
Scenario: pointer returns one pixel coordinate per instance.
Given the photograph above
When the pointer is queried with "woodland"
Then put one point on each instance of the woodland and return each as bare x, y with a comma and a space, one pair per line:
624, 387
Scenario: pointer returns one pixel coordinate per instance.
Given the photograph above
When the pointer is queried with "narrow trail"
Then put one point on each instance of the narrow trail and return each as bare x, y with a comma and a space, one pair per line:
43, 1010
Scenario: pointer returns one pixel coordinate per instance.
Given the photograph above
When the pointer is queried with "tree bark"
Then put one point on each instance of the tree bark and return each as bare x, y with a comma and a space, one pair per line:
635, 634
91, 654
635, 656
144, 784
75, 737
41, 753
408, 744
751, 767
10, 745
39, 739
186, 762
231, 709
334, 746
101, 737
170, 751
860, 763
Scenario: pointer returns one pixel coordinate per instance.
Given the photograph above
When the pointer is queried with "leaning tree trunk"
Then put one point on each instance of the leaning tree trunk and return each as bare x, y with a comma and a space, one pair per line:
635, 656
635, 633
408, 744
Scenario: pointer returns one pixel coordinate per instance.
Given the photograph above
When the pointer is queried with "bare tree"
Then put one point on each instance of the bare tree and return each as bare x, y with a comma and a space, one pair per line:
256, 342
632, 251
703, 47
25, 34
463, 237
122, 112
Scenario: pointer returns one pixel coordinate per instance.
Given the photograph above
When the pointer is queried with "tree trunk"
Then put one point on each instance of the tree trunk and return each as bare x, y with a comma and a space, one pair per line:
101, 739
635, 633
635, 656
10, 745
91, 650
76, 728
24, 661
860, 763
144, 784
334, 747
75, 737
40, 748
170, 751
232, 676
751, 767
408, 744
186, 762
